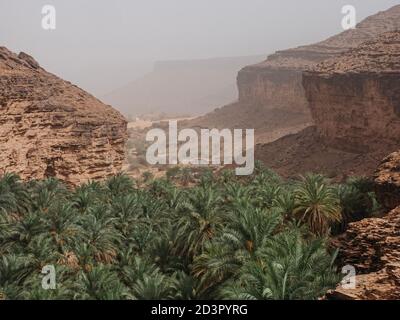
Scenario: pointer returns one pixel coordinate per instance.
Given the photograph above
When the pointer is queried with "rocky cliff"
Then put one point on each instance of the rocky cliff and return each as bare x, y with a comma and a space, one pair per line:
271, 93
372, 245
355, 99
49, 127
277, 82
354, 102
387, 181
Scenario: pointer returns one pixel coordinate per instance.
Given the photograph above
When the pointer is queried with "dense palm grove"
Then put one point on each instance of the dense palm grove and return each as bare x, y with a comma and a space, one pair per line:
188, 236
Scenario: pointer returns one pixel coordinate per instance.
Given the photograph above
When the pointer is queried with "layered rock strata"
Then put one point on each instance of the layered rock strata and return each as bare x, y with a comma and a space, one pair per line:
387, 181
51, 128
355, 99
354, 102
271, 94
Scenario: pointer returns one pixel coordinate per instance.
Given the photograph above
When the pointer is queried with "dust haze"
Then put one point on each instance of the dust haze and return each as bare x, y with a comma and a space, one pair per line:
121, 50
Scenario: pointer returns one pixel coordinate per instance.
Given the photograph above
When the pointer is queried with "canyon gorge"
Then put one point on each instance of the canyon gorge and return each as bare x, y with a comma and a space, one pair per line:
272, 99
353, 100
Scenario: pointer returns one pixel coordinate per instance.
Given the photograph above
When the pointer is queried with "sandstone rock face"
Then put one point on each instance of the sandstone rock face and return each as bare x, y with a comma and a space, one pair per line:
271, 94
49, 127
387, 181
277, 81
355, 104
355, 98
306, 151
372, 246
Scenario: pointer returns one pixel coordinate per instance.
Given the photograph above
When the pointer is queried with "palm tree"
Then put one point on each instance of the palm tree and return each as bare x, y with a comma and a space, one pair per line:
227, 176
199, 223
217, 263
223, 238
250, 227
47, 192
100, 235
286, 202
61, 223
126, 210
87, 195
356, 200
286, 267
119, 184
238, 242
13, 194
28, 226
14, 269
316, 203
186, 287
176, 199
100, 283
154, 287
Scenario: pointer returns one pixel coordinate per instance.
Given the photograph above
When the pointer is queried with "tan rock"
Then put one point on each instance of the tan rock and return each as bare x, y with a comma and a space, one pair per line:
354, 99
271, 95
49, 127
387, 181
354, 102
372, 246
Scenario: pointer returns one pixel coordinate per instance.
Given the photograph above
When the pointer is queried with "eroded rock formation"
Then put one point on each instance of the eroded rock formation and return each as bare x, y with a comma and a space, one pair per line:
277, 81
387, 181
271, 94
49, 127
355, 99
372, 246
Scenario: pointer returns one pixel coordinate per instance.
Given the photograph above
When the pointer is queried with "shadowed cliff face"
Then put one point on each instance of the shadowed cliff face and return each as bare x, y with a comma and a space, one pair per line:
354, 99
372, 245
275, 85
277, 81
49, 127
387, 181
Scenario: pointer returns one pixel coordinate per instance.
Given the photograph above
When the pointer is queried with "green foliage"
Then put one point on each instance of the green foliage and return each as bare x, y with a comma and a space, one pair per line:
317, 203
257, 237
282, 270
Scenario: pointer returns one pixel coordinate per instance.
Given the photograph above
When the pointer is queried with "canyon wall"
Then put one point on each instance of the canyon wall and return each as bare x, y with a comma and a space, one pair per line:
271, 95
51, 128
276, 82
372, 246
387, 181
355, 99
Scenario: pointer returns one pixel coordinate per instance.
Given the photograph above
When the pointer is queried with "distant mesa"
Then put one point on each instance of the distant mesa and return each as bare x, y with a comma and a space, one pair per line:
181, 87
51, 128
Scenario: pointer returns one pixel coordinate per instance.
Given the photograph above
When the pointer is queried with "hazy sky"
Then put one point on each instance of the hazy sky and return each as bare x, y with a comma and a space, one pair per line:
103, 44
